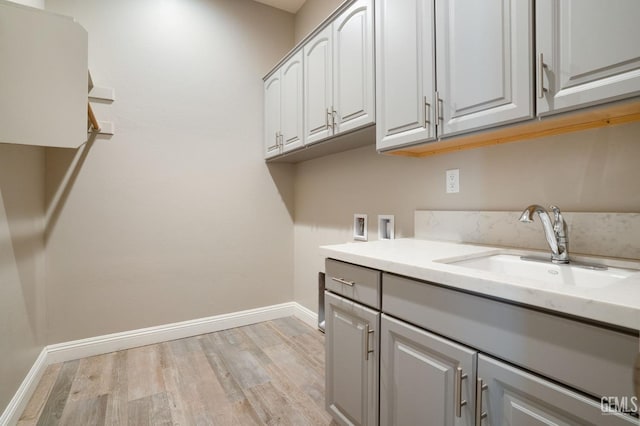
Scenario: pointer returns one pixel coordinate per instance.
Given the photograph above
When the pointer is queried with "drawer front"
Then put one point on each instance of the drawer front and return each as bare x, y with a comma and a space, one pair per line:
354, 282
593, 359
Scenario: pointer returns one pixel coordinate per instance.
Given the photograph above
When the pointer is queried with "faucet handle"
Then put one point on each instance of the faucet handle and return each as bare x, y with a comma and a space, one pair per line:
558, 221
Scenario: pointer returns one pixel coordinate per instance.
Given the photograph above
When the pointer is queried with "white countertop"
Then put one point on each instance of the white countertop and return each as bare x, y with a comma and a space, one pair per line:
618, 304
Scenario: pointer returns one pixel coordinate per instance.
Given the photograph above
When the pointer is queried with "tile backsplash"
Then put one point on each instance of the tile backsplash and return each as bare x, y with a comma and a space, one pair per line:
600, 234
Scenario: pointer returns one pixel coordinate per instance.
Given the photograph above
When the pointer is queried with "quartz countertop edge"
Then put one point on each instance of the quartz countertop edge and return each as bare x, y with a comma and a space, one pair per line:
618, 305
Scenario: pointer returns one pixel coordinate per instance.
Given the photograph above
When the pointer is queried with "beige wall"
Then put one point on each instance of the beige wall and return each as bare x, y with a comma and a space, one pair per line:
21, 264
588, 171
312, 13
177, 216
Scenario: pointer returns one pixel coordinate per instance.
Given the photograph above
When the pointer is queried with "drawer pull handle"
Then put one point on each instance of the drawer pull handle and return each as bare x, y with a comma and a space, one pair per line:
343, 281
459, 402
480, 386
367, 351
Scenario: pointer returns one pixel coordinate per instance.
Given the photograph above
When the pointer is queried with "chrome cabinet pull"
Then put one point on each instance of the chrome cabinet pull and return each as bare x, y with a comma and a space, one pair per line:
274, 146
367, 351
541, 67
281, 140
326, 119
343, 281
333, 120
439, 107
427, 109
459, 402
480, 386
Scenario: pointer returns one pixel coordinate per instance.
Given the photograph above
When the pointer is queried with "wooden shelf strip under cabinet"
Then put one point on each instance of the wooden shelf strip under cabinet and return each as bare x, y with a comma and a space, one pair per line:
591, 118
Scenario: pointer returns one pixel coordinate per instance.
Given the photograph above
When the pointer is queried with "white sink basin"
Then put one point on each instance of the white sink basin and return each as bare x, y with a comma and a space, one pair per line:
513, 265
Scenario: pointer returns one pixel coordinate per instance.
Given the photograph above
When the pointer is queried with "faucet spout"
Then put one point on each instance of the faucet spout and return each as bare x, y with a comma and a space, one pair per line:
555, 233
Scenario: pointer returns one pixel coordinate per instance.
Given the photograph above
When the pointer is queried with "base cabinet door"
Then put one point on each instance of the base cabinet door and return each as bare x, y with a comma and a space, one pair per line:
424, 378
351, 361
587, 52
513, 397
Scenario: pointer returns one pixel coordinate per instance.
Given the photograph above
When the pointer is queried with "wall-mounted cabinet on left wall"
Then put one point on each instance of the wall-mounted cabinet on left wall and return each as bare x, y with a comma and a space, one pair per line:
43, 78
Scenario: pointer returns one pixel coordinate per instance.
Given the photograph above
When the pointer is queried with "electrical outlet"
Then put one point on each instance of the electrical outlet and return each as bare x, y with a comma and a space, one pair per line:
453, 181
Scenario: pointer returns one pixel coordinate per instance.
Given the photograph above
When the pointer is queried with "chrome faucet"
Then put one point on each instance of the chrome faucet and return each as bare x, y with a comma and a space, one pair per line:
556, 232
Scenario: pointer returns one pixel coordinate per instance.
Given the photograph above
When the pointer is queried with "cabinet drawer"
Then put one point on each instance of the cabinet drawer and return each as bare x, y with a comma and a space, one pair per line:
354, 282
595, 360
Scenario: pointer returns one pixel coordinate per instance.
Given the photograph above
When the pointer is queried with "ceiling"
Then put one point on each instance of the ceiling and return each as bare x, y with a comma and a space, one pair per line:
291, 6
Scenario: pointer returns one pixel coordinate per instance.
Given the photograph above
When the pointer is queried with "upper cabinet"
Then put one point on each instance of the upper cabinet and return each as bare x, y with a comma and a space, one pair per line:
272, 115
405, 77
318, 87
353, 65
333, 89
283, 108
43, 78
588, 52
456, 74
484, 63
481, 81
339, 84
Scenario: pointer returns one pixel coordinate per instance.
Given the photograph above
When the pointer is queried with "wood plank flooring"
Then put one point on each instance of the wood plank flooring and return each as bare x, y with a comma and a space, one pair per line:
271, 373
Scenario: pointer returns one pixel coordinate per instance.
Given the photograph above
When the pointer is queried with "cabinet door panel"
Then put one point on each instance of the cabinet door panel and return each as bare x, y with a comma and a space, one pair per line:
590, 49
405, 72
292, 113
43, 78
351, 361
417, 377
517, 398
318, 87
272, 115
353, 65
484, 63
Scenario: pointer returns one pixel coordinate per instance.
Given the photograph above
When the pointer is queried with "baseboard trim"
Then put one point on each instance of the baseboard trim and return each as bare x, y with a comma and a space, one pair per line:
18, 403
99, 345
305, 315
68, 351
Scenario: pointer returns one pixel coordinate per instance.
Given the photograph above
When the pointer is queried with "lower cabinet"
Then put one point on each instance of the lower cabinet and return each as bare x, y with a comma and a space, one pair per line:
511, 396
424, 378
428, 379
352, 348
436, 356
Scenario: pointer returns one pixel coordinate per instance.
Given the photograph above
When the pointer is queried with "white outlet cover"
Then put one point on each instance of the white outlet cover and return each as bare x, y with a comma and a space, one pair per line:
453, 181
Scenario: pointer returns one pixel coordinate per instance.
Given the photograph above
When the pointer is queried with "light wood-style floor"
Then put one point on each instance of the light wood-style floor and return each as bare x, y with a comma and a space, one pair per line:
267, 373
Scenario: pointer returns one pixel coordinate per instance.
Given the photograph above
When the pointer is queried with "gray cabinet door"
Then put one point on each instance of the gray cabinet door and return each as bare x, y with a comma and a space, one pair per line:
318, 87
587, 52
351, 344
291, 103
484, 52
405, 72
353, 82
514, 397
419, 379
